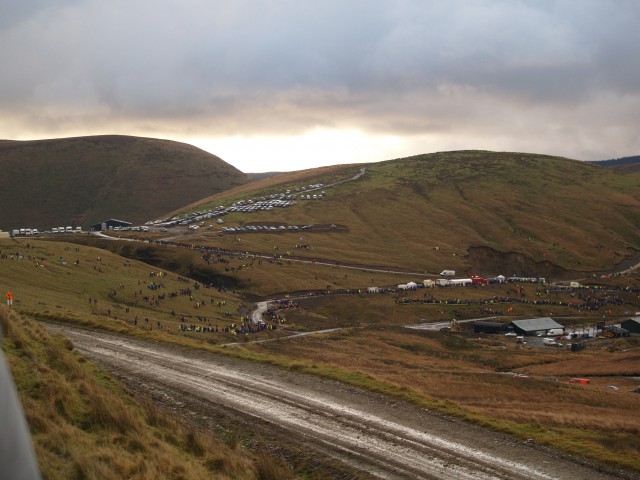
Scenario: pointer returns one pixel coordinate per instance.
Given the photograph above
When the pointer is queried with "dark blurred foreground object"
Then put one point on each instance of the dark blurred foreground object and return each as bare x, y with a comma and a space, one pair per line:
17, 458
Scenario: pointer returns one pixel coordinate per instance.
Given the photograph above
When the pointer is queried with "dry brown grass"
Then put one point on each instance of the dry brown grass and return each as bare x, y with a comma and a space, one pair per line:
461, 371
85, 427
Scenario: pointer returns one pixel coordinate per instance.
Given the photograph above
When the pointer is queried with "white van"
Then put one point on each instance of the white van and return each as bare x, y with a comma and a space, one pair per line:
554, 332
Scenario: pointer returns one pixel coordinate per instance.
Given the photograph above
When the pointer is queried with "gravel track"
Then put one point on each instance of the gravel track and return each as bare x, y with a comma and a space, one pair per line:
368, 432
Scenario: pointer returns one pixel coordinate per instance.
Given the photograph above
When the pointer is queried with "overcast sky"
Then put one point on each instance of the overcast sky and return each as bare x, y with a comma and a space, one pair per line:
291, 84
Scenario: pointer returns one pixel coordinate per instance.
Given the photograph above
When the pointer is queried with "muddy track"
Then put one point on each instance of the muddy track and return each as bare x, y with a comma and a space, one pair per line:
367, 432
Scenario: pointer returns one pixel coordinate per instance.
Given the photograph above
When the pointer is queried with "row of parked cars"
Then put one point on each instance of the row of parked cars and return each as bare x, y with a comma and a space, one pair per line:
265, 203
142, 228
34, 231
264, 228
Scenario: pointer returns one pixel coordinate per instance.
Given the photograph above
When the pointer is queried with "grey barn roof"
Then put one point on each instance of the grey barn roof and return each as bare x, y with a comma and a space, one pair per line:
535, 324
116, 220
631, 324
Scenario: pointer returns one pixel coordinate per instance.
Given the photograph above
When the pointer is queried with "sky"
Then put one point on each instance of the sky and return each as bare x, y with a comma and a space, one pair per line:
281, 85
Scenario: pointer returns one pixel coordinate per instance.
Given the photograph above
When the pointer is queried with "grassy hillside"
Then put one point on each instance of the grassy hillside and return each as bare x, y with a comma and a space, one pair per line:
460, 374
493, 213
81, 181
429, 212
85, 426
99, 289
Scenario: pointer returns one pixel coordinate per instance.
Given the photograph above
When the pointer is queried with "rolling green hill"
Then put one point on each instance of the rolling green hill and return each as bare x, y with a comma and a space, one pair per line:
487, 212
85, 180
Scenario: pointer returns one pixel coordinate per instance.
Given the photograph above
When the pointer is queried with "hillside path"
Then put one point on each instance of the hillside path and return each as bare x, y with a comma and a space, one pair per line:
378, 436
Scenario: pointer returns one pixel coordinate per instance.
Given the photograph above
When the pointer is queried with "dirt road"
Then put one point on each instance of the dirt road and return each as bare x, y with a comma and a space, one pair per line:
370, 433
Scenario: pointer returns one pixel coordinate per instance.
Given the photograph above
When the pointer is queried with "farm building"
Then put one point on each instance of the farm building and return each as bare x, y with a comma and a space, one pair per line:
491, 327
632, 325
534, 326
109, 225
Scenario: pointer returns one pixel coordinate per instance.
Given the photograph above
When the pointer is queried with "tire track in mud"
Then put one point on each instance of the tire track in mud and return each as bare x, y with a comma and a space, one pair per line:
353, 427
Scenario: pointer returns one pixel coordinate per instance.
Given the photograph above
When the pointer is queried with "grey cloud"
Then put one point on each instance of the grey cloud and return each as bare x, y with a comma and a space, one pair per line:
287, 66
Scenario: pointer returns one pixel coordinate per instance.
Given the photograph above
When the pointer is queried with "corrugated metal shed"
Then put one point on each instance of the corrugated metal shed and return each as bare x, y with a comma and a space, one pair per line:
632, 324
112, 222
535, 325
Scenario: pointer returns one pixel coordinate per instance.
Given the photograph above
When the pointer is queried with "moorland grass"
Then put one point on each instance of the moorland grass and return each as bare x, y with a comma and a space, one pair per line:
87, 180
454, 375
85, 426
424, 212
94, 287
463, 378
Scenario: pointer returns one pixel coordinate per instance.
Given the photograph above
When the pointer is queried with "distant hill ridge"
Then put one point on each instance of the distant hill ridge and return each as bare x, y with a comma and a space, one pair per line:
85, 180
262, 175
627, 163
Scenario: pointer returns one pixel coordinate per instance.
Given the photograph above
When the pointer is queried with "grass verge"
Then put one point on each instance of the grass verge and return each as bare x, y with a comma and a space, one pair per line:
84, 426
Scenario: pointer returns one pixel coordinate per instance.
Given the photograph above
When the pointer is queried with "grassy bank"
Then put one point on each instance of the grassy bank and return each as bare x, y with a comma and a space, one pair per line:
84, 426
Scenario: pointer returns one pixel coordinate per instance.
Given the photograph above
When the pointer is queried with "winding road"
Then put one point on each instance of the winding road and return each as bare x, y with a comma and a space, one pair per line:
373, 434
